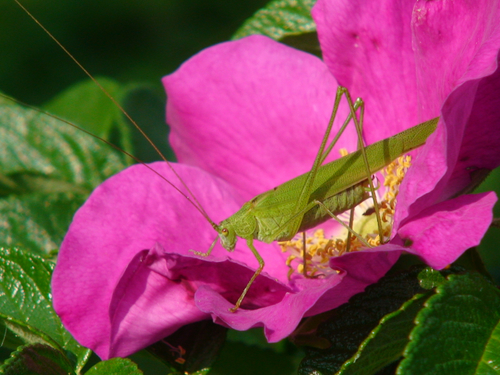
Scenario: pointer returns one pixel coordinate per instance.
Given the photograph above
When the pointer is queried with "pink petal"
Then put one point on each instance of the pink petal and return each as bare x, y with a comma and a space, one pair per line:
446, 55
441, 233
457, 64
312, 296
145, 307
252, 112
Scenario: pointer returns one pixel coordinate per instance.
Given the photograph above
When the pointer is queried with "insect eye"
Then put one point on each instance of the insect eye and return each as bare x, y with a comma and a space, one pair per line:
225, 232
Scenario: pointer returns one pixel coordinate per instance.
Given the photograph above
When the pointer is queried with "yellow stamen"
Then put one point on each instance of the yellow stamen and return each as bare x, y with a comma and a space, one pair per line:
320, 249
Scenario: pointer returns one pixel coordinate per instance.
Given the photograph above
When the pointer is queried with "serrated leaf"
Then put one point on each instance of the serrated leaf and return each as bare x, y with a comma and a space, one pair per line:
458, 332
26, 303
38, 359
280, 19
387, 341
115, 366
46, 168
351, 323
35, 144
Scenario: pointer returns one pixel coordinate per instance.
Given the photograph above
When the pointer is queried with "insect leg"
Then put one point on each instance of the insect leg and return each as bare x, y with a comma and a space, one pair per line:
257, 272
206, 253
359, 130
359, 237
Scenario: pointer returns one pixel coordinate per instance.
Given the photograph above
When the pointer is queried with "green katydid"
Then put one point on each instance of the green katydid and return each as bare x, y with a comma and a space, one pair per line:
312, 198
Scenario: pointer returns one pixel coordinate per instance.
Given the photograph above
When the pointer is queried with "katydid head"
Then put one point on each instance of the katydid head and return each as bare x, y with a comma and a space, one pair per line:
227, 235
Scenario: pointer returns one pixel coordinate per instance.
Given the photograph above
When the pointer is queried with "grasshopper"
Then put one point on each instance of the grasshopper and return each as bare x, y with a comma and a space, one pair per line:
314, 197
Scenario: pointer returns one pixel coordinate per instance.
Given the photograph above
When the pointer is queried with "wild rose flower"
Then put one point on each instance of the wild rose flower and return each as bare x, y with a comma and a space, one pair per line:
249, 115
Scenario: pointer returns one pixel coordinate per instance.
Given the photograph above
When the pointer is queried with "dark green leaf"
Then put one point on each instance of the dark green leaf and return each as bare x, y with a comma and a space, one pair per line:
430, 278
37, 359
37, 222
147, 108
488, 249
115, 366
458, 332
307, 42
256, 337
87, 105
26, 304
33, 144
386, 343
201, 372
351, 323
47, 168
279, 19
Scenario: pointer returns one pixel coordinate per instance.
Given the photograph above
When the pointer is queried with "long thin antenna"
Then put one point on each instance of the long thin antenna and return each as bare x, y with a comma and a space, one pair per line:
193, 201
108, 143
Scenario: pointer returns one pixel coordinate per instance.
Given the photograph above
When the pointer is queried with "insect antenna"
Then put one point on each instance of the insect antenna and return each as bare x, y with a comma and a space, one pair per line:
110, 144
190, 196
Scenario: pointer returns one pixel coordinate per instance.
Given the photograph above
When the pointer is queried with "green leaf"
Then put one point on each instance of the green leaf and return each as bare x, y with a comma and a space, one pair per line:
430, 278
352, 323
37, 222
26, 304
47, 169
37, 359
387, 341
458, 332
115, 366
147, 107
98, 114
279, 19
33, 144
201, 372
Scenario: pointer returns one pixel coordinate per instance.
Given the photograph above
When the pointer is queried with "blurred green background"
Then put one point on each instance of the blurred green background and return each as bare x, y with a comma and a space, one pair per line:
127, 40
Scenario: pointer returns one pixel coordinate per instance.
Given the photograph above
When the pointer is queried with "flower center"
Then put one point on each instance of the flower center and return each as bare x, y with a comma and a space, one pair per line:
319, 248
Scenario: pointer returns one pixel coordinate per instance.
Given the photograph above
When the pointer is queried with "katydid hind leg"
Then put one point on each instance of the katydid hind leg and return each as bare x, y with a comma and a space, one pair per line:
305, 193
357, 103
333, 216
323, 152
359, 129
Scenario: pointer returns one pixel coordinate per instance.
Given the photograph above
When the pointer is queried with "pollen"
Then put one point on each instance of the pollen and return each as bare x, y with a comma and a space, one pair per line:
319, 248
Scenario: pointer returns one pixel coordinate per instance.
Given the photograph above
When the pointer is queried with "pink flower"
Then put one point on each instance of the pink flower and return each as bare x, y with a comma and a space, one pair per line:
249, 115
